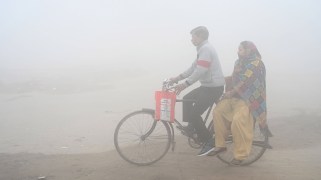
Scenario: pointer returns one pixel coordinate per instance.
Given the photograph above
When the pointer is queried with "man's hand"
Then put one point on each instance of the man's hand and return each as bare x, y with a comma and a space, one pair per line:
180, 87
173, 80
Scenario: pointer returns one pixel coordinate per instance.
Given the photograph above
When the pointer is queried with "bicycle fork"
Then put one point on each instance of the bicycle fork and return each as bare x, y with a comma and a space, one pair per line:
173, 142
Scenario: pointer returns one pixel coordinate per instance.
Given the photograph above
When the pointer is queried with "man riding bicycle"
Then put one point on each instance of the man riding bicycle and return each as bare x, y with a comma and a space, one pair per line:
206, 69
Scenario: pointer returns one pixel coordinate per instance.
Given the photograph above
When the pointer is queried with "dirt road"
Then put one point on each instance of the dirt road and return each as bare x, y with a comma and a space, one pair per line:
296, 156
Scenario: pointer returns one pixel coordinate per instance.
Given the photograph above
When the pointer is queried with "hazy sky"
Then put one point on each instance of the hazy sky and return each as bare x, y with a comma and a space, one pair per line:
153, 37
124, 33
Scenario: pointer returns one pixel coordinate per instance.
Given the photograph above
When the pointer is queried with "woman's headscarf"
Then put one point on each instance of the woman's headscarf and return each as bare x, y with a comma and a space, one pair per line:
254, 53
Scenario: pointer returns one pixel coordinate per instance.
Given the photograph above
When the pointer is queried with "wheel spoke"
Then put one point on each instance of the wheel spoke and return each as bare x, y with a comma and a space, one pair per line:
140, 140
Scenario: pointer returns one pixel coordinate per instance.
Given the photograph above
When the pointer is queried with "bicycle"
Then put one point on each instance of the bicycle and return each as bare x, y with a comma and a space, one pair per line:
140, 139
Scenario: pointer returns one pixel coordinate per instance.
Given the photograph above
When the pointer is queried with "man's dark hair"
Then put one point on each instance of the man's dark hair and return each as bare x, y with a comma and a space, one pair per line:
200, 31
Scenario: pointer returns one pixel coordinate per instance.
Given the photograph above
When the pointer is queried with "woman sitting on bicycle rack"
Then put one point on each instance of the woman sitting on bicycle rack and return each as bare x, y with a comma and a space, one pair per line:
242, 104
206, 69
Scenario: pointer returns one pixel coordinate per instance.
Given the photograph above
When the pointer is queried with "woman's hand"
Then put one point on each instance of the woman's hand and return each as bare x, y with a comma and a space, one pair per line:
229, 94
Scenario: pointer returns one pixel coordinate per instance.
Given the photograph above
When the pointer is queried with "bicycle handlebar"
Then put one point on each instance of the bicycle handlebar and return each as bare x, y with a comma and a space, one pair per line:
166, 86
170, 88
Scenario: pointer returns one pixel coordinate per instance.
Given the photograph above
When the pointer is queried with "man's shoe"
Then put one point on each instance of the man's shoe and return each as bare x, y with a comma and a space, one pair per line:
208, 147
236, 162
216, 151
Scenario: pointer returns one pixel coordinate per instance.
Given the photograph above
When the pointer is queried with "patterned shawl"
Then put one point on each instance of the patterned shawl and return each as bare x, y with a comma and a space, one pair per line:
250, 73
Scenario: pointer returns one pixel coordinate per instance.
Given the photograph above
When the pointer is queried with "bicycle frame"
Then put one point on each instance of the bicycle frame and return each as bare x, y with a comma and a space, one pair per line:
173, 142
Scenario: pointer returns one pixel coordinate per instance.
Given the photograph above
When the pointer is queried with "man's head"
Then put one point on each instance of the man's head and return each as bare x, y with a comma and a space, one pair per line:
199, 34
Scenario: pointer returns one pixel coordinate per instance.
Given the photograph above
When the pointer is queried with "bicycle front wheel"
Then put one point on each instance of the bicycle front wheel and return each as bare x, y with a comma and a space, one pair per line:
141, 140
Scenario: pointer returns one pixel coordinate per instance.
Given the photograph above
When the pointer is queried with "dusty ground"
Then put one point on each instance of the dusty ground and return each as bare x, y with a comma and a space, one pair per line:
62, 132
296, 156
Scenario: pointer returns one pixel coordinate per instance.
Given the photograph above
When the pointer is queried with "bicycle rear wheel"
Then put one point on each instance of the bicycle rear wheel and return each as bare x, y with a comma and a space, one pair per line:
141, 140
259, 145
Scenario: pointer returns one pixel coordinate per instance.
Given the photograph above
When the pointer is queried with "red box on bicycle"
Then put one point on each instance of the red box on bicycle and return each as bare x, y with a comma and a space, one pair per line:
165, 105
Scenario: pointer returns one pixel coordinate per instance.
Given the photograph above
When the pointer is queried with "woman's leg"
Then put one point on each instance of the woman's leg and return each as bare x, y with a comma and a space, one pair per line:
242, 129
223, 116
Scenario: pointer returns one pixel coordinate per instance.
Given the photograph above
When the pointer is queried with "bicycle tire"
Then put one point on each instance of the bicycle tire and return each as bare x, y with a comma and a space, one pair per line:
259, 146
141, 140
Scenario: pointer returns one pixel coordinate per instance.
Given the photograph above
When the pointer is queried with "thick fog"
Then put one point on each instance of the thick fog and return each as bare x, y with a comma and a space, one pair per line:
69, 70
